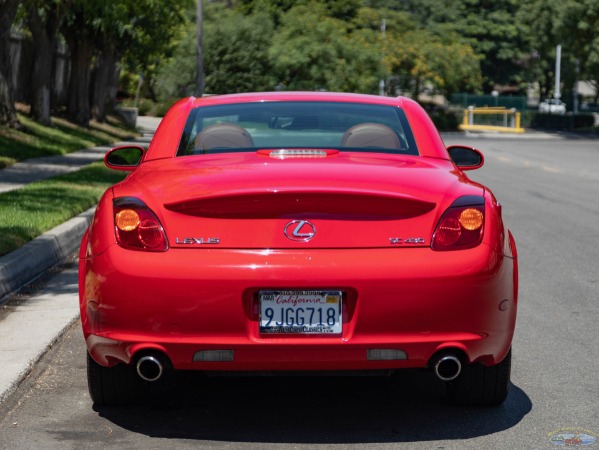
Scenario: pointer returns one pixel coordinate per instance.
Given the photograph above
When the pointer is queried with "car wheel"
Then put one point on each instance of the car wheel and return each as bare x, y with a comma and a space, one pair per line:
479, 385
112, 386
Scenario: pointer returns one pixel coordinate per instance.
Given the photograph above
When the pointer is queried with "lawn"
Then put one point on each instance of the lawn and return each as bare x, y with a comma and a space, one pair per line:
62, 137
38, 207
27, 212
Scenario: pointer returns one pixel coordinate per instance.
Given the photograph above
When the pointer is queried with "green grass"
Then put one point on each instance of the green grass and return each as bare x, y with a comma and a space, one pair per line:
36, 208
27, 212
62, 137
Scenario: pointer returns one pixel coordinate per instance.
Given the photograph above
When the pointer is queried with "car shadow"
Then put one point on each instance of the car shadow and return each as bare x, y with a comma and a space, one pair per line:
314, 410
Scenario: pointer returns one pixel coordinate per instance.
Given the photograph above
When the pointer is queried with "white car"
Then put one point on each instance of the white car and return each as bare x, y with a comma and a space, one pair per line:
552, 106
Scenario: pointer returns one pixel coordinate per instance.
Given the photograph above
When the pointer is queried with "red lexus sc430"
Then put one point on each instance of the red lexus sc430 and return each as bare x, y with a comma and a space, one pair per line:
298, 232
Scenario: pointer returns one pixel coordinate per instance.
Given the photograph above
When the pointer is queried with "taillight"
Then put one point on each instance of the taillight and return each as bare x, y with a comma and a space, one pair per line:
137, 227
460, 228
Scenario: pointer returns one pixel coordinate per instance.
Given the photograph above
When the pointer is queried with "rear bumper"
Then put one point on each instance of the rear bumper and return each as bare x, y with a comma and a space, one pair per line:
185, 301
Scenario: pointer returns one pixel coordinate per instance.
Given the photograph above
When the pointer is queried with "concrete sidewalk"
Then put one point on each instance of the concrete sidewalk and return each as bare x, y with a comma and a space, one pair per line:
36, 169
28, 328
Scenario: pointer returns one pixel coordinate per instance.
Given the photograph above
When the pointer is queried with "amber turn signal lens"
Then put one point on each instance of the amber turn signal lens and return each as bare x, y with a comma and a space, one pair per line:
127, 220
471, 219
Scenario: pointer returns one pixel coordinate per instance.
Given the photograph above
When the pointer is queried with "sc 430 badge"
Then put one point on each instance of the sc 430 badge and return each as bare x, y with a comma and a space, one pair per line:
406, 241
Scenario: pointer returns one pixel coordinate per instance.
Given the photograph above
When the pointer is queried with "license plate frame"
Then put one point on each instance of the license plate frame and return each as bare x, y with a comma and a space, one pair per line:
300, 311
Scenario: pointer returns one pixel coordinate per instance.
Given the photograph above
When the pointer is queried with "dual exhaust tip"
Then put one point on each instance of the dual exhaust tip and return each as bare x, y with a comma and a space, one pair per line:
447, 367
150, 368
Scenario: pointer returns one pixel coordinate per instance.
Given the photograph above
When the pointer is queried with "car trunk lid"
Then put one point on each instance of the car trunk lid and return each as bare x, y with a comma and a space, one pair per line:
344, 200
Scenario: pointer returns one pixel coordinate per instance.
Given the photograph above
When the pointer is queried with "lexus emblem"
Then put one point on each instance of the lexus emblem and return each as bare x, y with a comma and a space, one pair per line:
300, 230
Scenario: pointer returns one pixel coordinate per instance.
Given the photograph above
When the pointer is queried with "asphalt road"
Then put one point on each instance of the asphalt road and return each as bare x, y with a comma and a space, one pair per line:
549, 190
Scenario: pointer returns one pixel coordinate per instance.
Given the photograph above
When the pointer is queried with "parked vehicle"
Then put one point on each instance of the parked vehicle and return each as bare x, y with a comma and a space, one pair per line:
552, 106
294, 232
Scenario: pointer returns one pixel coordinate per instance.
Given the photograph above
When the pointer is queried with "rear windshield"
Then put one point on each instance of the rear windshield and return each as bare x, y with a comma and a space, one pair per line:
291, 125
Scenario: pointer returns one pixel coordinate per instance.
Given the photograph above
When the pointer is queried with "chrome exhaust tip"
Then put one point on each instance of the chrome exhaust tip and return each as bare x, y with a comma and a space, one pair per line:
448, 368
149, 368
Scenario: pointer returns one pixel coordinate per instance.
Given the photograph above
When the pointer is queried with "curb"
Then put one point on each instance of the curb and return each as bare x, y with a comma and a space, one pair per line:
27, 263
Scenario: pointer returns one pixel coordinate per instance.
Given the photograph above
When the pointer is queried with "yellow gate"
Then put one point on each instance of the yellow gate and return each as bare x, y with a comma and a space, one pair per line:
492, 119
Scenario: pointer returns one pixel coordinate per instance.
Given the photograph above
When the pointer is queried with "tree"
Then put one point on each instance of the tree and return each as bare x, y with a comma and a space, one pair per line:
380, 45
111, 32
235, 55
125, 27
102, 32
43, 19
425, 13
501, 42
175, 77
415, 59
78, 31
579, 35
156, 28
236, 52
274, 8
8, 113
312, 50
423, 61
542, 17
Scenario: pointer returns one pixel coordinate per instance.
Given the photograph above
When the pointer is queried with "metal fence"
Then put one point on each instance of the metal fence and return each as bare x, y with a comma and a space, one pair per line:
492, 119
465, 100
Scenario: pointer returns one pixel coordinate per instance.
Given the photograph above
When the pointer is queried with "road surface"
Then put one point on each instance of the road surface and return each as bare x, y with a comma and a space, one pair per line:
549, 190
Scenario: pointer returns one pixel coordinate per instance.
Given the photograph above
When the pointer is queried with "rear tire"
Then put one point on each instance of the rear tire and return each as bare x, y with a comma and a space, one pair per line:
479, 385
112, 386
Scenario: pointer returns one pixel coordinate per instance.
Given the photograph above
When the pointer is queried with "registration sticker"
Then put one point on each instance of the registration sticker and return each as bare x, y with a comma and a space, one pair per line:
300, 312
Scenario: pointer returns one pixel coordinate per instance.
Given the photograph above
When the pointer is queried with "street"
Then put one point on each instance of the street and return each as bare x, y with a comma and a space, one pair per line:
549, 190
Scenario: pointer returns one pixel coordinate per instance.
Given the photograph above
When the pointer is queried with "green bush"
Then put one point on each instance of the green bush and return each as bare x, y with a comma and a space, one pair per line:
147, 107
160, 108
144, 106
556, 122
445, 119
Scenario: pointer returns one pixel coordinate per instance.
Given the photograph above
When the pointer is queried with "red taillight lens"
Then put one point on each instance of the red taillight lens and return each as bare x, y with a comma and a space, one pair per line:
459, 228
150, 233
137, 227
448, 232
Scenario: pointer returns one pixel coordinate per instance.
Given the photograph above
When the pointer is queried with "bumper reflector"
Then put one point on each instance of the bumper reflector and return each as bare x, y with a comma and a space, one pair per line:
382, 354
213, 356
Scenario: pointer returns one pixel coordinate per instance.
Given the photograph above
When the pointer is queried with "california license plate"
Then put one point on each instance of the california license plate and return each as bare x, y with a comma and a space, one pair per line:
300, 312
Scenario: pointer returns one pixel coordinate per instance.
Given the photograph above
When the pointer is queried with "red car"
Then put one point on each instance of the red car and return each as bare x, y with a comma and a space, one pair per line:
284, 232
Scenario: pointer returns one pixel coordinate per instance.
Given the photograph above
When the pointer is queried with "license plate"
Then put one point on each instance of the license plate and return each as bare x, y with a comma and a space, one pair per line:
300, 312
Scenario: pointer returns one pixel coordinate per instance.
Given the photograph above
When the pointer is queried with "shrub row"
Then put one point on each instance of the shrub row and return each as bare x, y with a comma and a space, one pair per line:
556, 122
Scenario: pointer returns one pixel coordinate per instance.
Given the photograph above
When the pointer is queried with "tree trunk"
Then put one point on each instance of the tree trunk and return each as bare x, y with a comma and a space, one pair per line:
417, 88
44, 38
152, 91
78, 108
8, 112
104, 73
113, 84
